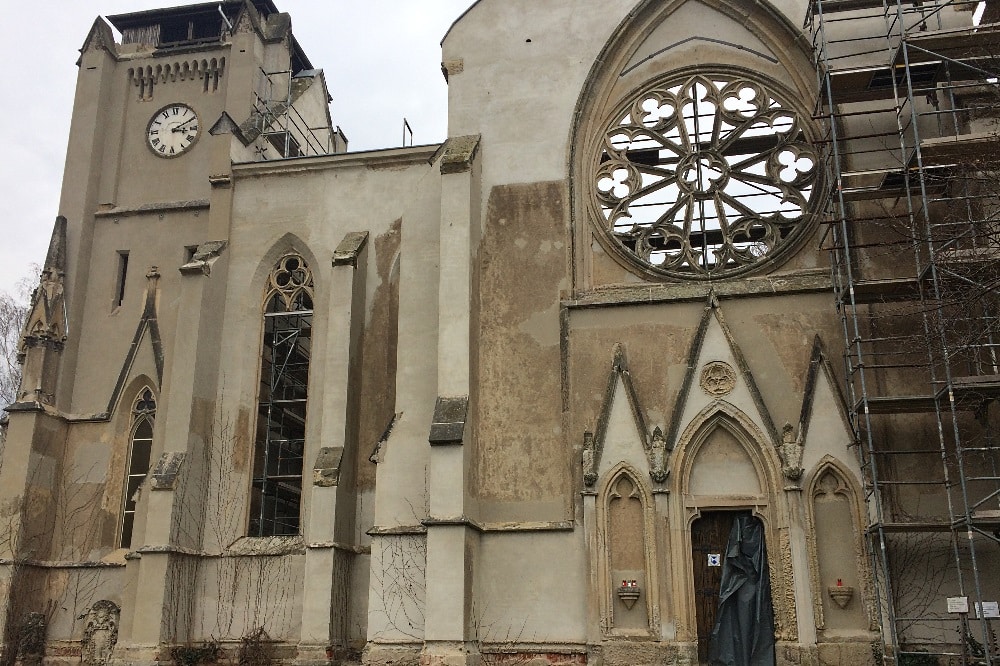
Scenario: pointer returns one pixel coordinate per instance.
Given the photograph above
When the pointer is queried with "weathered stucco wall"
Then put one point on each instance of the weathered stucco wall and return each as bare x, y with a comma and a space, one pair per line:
522, 270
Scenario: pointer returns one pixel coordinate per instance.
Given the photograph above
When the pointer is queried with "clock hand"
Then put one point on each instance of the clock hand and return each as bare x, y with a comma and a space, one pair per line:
180, 128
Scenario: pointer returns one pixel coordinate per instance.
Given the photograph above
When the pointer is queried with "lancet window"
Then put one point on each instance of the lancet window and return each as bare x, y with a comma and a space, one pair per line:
140, 446
276, 487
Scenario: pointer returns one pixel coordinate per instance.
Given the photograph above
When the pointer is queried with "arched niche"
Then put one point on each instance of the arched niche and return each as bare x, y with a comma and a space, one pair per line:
126, 416
289, 243
627, 555
122, 412
722, 443
839, 579
722, 457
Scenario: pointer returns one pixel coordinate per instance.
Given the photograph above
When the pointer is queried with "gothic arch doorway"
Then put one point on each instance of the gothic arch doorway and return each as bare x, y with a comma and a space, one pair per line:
729, 564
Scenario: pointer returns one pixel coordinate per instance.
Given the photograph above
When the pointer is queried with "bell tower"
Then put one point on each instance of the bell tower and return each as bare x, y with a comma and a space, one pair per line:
160, 116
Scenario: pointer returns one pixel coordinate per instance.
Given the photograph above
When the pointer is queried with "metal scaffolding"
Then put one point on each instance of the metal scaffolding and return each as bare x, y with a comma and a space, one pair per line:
909, 103
274, 115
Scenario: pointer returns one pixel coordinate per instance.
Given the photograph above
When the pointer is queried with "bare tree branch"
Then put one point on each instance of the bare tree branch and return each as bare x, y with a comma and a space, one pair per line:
14, 309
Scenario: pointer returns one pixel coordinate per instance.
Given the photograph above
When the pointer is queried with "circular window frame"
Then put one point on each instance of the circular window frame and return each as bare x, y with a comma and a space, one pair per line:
799, 228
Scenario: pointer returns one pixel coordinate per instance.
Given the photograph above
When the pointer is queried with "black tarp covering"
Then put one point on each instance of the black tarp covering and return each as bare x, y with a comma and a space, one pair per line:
744, 629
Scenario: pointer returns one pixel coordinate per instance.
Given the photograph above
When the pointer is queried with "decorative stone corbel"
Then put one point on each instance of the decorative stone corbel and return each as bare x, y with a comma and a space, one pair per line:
166, 471
790, 451
659, 451
204, 256
589, 460
841, 594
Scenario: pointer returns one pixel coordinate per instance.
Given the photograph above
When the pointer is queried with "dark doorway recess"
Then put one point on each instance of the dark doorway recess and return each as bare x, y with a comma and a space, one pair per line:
730, 566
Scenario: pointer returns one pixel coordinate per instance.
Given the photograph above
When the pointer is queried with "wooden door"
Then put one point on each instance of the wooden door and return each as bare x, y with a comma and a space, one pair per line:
709, 535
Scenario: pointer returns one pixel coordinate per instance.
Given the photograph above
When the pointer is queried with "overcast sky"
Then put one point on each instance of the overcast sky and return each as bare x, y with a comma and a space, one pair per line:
381, 57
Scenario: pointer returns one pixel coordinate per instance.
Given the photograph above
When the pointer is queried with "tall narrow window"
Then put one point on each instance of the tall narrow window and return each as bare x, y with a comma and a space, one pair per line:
140, 445
120, 280
276, 489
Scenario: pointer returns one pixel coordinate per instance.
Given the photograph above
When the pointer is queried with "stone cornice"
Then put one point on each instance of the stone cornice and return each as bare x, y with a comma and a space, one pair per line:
372, 159
804, 282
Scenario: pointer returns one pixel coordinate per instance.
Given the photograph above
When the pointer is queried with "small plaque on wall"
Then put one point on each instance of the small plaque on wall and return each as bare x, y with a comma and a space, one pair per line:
989, 609
714, 560
958, 604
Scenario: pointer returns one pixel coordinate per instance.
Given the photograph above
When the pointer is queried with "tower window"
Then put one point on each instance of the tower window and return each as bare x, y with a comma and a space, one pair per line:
140, 446
121, 273
276, 487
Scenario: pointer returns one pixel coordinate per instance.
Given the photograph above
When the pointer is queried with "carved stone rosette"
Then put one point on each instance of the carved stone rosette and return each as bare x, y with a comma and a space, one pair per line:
718, 379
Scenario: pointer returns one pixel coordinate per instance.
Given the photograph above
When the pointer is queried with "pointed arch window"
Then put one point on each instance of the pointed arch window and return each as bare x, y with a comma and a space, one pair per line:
140, 447
276, 488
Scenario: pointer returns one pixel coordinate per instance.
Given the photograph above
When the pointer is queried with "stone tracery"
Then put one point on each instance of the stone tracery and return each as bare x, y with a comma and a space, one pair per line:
705, 174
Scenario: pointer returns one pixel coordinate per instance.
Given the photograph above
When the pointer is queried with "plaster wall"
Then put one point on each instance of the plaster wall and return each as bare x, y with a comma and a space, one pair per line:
151, 240
238, 594
521, 599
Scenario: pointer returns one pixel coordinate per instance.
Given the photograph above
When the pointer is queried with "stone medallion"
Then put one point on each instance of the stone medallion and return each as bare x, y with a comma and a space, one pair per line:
718, 378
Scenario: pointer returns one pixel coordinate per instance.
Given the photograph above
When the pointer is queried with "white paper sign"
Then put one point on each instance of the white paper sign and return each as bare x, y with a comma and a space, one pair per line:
714, 560
958, 604
989, 608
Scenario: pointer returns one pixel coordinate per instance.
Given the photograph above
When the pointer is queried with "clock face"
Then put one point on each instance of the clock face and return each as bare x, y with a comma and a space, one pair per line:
172, 130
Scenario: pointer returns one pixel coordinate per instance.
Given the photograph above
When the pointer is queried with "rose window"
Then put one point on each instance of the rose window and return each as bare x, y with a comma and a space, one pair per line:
706, 175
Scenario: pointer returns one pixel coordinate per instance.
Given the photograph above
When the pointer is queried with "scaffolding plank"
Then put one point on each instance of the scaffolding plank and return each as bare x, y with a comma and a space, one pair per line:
960, 44
968, 392
867, 84
901, 404
835, 6
948, 150
915, 526
978, 255
975, 388
891, 183
985, 520
885, 291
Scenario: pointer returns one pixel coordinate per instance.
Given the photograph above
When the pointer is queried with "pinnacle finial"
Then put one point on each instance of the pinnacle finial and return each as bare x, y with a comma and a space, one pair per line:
55, 258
